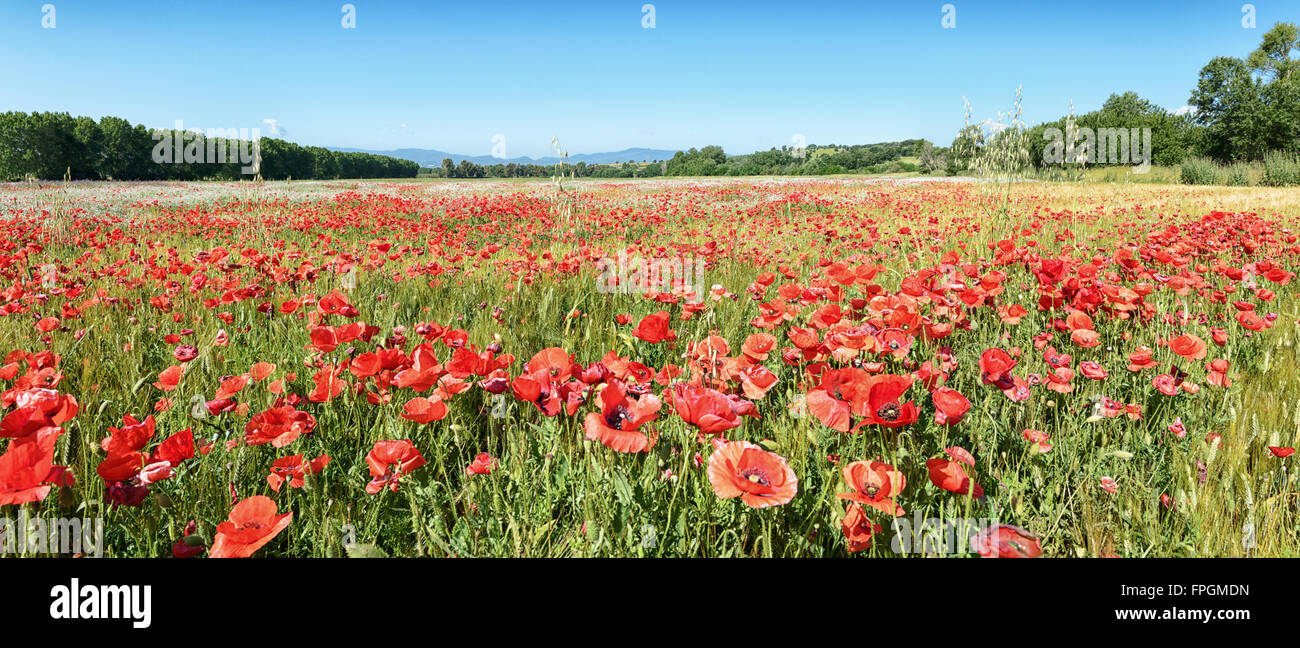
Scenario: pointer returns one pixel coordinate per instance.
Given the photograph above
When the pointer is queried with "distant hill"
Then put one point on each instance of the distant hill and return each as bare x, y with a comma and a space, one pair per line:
433, 158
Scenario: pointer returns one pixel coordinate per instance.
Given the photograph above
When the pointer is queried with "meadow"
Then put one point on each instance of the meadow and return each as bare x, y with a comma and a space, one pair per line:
681, 368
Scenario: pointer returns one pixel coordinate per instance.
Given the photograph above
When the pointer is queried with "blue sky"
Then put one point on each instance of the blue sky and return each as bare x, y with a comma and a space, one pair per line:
747, 75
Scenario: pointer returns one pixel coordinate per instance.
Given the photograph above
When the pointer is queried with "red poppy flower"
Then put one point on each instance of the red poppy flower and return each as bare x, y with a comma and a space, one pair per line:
221, 406
185, 353
37, 409
1218, 373
294, 470
389, 461
423, 372
654, 328
833, 401
252, 523
1006, 541
620, 417
950, 476
756, 381
1281, 452
1188, 346
1092, 369
424, 410
24, 422
1085, 338
1039, 439
278, 426
539, 389
26, 468
327, 385
1251, 321
874, 484
170, 377
758, 477
336, 303
858, 528
261, 370
175, 448
122, 466
1142, 358
155, 472
884, 402
961, 455
483, 464
757, 346
1165, 384
995, 366
131, 437
708, 410
949, 406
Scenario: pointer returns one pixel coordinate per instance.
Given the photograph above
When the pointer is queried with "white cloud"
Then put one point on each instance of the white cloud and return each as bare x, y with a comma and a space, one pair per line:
1186, 110
994, 126
274, 125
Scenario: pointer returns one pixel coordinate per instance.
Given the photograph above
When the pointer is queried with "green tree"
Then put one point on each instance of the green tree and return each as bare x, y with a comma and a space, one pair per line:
1273, 57
1250, 107
324, 164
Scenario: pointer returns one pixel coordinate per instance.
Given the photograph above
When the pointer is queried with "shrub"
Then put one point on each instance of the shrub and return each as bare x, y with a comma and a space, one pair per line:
1238, 175
1200, 171
1281, 170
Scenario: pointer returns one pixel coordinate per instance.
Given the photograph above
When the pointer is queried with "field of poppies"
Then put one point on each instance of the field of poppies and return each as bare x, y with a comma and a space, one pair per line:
756, 367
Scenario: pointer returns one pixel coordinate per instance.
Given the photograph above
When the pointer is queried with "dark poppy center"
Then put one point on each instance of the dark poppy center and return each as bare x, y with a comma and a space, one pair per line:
756, 475
617, 417
889, 412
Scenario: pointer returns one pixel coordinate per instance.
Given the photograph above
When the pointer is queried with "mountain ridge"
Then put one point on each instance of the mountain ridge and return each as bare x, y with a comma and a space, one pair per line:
434, 157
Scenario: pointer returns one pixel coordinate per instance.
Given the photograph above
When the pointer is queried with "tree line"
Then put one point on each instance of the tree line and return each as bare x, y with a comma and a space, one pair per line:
712, 160
51, 146
1241, 110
